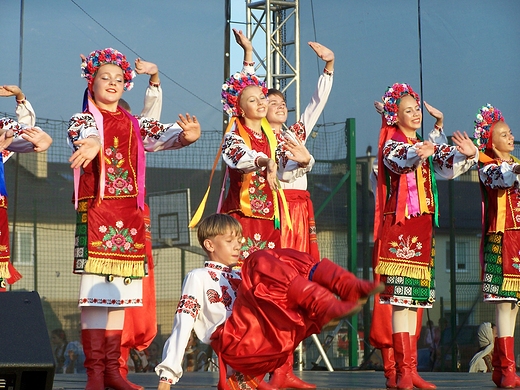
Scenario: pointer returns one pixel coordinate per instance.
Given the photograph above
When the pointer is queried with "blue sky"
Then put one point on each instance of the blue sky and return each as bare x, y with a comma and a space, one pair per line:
470, 54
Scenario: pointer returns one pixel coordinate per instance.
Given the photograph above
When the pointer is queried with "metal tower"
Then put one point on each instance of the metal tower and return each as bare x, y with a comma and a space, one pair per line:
277, 23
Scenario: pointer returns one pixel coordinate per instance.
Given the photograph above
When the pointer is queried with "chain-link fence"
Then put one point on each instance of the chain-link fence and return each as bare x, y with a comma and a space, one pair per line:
42, 221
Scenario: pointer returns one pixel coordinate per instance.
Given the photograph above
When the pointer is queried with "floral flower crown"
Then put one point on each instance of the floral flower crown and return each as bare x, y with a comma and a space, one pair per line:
391, 100
97, 58
232, 88
486, 117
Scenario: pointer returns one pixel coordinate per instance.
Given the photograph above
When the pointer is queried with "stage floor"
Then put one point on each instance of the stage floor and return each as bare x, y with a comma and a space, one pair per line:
323, 379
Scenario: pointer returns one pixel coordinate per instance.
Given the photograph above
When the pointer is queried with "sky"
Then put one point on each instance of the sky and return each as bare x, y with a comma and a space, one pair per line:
469, 52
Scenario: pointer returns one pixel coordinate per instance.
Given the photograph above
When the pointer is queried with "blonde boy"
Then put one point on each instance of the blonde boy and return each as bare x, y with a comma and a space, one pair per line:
207, 294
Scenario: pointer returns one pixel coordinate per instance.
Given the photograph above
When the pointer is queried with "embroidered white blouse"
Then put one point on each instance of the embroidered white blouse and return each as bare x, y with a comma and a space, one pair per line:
207, 297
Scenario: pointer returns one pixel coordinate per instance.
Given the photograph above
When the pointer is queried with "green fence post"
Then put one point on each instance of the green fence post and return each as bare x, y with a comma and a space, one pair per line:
350, 139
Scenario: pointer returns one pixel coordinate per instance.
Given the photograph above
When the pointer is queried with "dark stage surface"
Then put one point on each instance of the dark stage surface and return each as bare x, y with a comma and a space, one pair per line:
323, 379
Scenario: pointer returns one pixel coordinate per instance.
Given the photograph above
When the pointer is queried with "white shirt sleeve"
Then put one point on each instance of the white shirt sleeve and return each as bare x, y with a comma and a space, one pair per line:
25, 113
293, 170
81, 126
152, 103
449, 163
160, 136
237, 155
315, 107
499, 176
189, 308
18, 144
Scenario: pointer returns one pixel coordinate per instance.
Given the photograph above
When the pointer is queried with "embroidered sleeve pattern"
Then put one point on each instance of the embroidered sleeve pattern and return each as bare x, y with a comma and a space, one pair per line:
498, 176
444, 156
397, 155
159, 136
80, 127
298, 129
188, 304
11, 124
234, 150
151, 128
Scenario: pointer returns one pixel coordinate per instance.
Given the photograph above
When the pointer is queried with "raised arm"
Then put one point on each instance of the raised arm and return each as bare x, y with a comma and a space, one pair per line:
24, 111
319, 99
153, 96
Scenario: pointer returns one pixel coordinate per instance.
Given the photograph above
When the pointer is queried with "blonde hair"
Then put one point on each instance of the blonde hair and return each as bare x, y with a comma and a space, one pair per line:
217, 224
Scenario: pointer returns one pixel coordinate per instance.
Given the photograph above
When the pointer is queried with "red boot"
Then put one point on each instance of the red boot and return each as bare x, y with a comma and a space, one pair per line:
418, 382
320, 304
123, 366
283, 377
344, 283
506, 347
123, 361
389, 367
403, 360
93, 341
263, 385
495, 362
113, 377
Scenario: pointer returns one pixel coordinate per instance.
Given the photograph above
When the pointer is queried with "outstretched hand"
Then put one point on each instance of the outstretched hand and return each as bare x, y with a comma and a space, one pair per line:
437, 114
379, 106
190, 126
242, 40
323, 52
10, 90
272, 178
145, 67
424, 149
464, 144
88, 149
6, 137
298, 151
39, 138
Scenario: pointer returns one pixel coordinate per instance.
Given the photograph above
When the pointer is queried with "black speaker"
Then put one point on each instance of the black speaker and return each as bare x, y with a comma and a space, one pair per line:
26, 360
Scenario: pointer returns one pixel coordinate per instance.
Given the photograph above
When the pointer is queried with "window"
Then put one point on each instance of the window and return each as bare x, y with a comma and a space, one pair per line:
462, 250
24, 247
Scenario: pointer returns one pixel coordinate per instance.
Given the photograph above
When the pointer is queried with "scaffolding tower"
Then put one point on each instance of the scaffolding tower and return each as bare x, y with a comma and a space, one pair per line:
277, 23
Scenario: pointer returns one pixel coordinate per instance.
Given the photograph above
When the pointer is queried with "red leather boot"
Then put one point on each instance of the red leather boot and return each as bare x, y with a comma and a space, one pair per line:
389, 367
401, 342
263, 385
123, 361
506, 347
283, 377
344, 283
418, 382
495, 362
123, 366
320, 304
113, 377
93, 341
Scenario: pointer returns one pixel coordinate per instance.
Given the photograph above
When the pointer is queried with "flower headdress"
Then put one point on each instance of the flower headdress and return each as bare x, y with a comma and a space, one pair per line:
486, 118
233, 87
97, 58
391, 100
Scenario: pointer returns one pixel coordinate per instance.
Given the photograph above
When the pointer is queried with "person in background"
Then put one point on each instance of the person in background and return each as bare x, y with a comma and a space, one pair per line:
74, 357
481, 361
153, 353
59, 345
